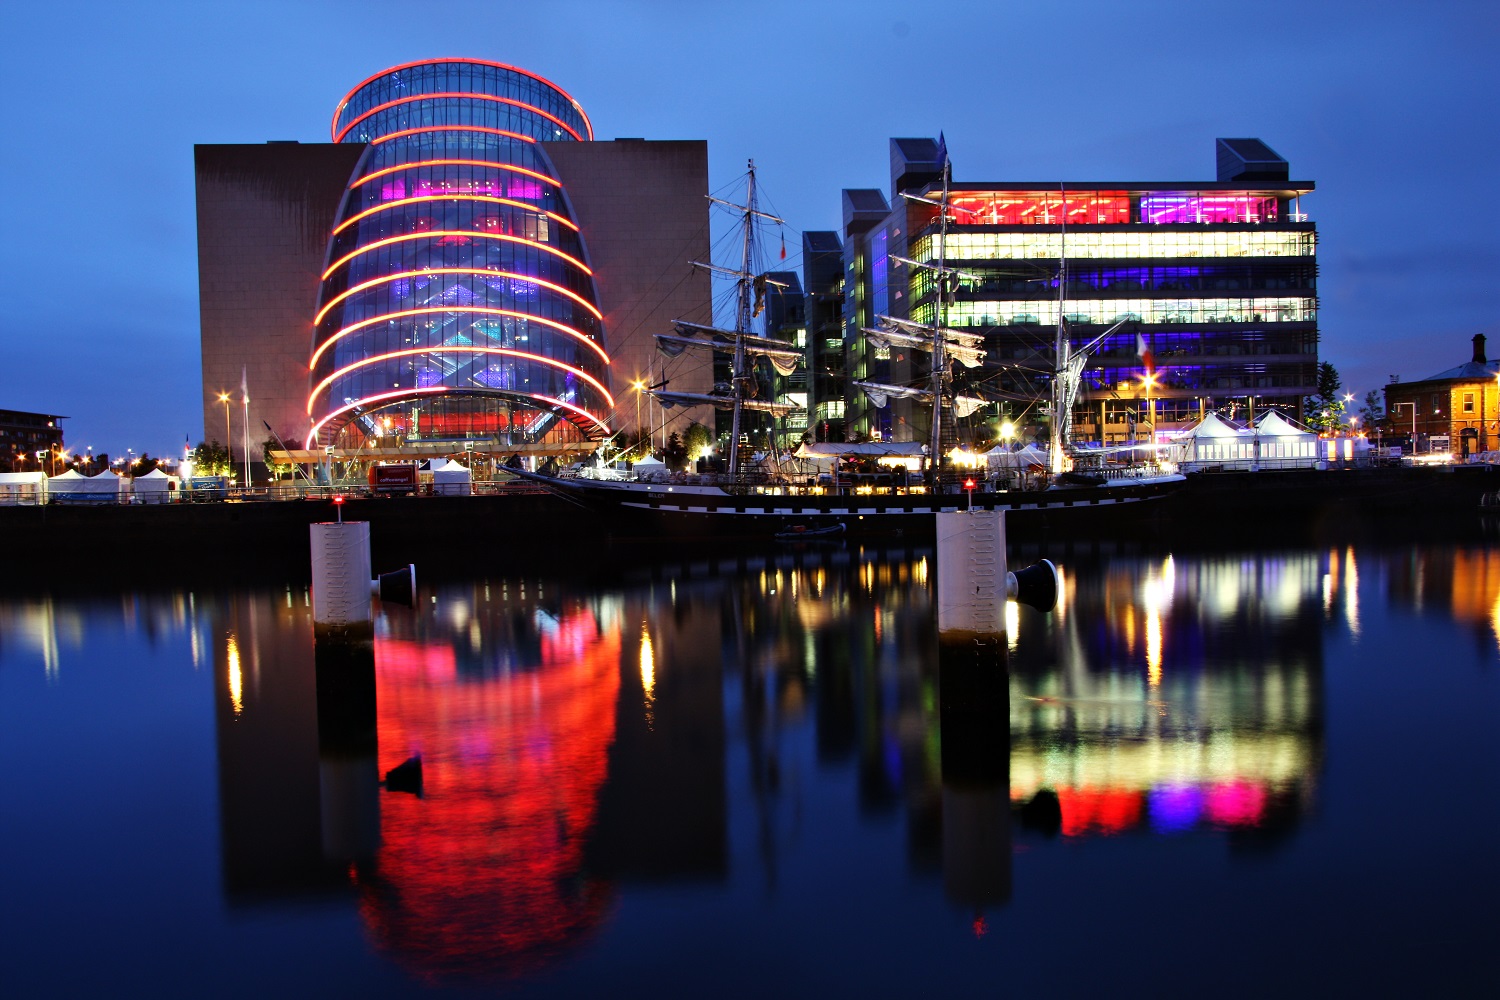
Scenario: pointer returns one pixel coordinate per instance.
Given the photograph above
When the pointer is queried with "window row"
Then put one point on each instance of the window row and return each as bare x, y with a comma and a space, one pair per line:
1090, 280
1125, 245
456, 113
420, 252
425, 295
1106, 311
461, 78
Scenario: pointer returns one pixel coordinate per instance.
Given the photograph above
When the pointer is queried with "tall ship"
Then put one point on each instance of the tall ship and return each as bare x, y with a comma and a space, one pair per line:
773, 495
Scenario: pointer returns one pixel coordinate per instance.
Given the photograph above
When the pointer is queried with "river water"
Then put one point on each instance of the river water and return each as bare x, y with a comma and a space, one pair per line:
1225, 774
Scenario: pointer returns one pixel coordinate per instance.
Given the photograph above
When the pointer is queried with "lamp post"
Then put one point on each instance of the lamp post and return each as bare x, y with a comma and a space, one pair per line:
638, 386
228, 452
246, 399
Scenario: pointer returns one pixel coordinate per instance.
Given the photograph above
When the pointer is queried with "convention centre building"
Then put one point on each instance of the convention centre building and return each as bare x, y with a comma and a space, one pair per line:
463, 266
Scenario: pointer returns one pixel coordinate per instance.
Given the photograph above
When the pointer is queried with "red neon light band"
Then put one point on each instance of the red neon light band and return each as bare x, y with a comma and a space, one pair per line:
471, 233
450, 128
455, 270
411, 351
431, 310
456, 163
461, 59
491, 199
448, 95
312, 435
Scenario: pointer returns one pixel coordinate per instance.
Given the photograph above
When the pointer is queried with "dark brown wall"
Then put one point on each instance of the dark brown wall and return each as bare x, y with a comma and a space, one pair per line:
264, 214
643, 208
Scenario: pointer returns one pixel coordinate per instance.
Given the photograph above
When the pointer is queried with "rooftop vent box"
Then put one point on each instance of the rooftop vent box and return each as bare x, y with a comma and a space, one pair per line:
1249, 160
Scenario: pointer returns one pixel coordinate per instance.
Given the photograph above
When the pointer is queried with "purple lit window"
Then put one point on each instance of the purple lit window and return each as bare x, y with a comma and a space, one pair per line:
1166, 209
458, 294
497, 376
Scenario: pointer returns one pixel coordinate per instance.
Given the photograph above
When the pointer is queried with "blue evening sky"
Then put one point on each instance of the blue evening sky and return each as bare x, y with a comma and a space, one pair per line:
1390, 108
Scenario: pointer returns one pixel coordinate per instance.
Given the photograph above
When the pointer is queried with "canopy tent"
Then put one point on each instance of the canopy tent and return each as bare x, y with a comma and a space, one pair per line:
451, 479
822, 455
23, 487
152, 487
64, 485
650, 469
1029, 457
1284, 444
1272, 442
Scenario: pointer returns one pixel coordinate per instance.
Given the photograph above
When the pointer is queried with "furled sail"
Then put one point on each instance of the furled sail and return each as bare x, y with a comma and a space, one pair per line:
671, 399
971, 357
783, 358
881, 395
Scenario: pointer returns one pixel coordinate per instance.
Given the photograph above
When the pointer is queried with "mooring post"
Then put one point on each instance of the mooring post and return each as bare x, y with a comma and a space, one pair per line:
341, 578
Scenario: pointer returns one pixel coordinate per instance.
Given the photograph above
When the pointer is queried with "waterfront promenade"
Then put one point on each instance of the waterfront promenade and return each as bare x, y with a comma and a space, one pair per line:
235, 539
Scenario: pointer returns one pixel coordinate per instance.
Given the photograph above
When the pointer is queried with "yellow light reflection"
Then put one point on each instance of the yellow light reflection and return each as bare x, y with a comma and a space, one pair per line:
1156, 595
1495, 618
648, 675
1012, 624
236, 679
1351, 593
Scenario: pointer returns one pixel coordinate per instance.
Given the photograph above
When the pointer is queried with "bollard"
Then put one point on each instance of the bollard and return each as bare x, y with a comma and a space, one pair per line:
341, 576
973, 580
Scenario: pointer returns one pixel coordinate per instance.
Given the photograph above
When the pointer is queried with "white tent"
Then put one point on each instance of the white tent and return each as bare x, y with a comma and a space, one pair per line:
65, 485
1283, 444
650, 469
452, 479
23, 487
152, 487
1213, 443
106, 487
1272, 443
1029, 457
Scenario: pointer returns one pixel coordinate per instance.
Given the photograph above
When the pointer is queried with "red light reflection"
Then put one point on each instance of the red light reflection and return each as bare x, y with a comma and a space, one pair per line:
482, 875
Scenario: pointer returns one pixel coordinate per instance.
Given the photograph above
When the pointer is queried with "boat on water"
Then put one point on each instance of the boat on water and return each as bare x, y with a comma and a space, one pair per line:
773, 500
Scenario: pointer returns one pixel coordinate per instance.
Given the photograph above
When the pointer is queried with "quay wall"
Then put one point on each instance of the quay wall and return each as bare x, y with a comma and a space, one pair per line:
195, 543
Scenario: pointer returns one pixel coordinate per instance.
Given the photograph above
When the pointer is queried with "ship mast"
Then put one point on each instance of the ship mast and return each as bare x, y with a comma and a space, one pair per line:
1062, 399
742, 320
935, 451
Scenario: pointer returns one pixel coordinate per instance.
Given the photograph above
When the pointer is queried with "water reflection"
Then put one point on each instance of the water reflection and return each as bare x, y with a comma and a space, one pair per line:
578, 742
1168, 696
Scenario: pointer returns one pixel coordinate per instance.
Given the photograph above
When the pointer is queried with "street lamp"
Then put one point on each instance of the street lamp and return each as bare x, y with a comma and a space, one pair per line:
228, 452
639, 386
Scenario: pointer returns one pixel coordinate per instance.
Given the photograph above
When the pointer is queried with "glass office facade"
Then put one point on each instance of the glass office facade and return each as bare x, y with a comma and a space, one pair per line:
1215, 284
457, 300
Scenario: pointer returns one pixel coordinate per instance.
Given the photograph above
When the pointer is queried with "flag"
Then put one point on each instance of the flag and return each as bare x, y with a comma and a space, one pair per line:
942, 150
1143, 351
783, 246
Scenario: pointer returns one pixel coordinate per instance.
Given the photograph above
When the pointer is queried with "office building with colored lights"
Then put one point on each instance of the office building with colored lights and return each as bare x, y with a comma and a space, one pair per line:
1215, 282
462, 267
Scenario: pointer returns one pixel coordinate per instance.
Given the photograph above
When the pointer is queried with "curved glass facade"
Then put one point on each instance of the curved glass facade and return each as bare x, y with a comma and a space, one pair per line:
457, 300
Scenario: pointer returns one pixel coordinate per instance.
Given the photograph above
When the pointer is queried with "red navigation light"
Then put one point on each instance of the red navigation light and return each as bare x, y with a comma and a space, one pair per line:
338, 500
968, 484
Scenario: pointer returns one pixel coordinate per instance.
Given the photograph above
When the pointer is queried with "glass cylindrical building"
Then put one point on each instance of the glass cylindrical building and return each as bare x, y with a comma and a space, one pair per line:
457, 301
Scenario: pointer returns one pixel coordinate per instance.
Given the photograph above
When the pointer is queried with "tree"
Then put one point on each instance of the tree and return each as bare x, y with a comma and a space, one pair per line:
211, 459
1373, 410
1326, 409
276, 469
676, 453
697, 439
